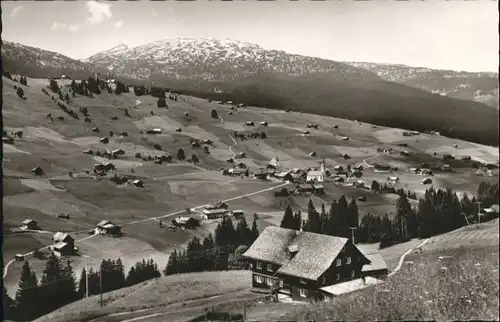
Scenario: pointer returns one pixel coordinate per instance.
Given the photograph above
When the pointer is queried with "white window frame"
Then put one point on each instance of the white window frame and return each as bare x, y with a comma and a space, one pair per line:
269, 267
303, 281
323, 280
353, 273
348, 260
337, 277
269, 281
259, 265
338, 262
303, 292
281, 283
259, 279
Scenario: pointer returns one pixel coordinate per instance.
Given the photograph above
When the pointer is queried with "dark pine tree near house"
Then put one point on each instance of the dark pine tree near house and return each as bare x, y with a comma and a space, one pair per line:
27, 296
53, 286
288, 220
313, 219
297, 220
353, 213
82, 285
8, 305
195, 159
181, 155
54, 87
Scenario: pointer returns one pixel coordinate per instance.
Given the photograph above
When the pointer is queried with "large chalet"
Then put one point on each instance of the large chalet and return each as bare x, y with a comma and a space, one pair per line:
303, 265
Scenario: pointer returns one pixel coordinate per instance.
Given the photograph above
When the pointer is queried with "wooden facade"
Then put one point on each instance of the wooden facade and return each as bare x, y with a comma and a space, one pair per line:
345, 267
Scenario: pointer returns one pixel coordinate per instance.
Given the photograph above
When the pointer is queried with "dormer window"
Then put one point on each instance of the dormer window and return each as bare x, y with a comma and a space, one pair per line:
259, 265
269, 267
338, 262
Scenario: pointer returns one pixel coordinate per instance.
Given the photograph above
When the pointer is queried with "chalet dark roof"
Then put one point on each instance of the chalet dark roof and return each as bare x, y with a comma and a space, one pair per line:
59, 236
377, 263
315, 254
60, 245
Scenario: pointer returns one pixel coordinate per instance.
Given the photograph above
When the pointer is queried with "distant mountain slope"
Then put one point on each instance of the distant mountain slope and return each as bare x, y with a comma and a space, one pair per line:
249, 74
479, 87
36, 62
212, 59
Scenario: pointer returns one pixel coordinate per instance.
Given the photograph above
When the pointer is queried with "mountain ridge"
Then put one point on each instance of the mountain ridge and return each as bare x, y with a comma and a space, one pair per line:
244, 72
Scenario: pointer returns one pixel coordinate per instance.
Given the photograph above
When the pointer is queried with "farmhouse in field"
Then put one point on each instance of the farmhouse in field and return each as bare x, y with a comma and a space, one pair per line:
237, 214
377, 268
209, 214
301, 264
29, 224
64, 244
393, 179
37, 171
107, 227
186, 222
358, 184
138, 183
382, 168
427, 181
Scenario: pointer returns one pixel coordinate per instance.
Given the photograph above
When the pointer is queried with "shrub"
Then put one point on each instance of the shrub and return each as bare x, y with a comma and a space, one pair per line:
20, 92
214, 114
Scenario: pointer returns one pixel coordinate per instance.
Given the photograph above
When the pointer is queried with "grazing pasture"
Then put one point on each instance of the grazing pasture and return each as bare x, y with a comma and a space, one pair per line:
68, 184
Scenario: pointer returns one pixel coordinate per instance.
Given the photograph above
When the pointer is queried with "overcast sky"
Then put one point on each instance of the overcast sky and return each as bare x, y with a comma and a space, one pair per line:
459, 35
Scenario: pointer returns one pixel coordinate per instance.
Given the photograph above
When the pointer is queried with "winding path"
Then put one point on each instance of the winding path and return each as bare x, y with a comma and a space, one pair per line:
401, 260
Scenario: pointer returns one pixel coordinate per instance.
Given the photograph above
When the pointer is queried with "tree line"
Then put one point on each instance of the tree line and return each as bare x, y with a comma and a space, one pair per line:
217, 252
438, 211
58, 285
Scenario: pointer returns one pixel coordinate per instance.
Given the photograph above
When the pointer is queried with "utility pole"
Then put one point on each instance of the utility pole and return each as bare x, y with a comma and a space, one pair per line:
86, 276
352, 233
478, 212
100, 284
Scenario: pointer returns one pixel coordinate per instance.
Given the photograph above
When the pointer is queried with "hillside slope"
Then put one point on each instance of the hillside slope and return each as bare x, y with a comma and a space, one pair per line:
246, 73
479, 87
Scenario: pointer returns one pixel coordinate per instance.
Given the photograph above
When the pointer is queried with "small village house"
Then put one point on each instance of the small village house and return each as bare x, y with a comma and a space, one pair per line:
37, 171
237, 214
305, 188
359, 184
382, 168
301, 264
338, 179
446, 168
260, 174
393, 180
107, 227
29, 224
186, 222
299, 176
377, 267
210, 214
138, 183
318, 188
64, 244
427, 181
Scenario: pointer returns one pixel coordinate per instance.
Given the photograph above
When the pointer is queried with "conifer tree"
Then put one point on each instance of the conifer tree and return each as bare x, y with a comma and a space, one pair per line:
353, 213
8, 305
27, 295
53, 280
297, 220
82, 284
255, 231
288, 220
